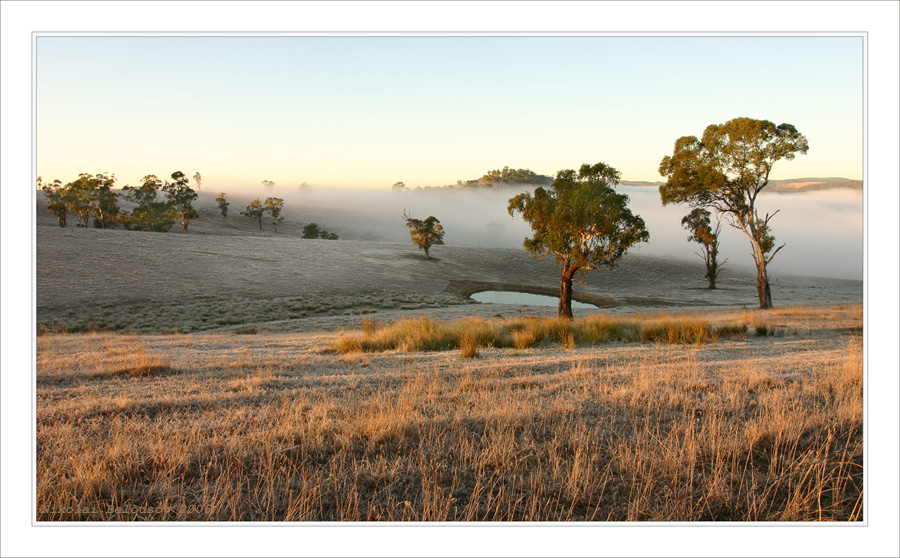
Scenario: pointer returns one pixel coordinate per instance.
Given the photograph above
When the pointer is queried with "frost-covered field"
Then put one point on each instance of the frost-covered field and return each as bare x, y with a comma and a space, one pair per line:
225, 274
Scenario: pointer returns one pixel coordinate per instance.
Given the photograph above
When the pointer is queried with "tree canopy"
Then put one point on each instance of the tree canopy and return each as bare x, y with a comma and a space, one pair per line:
582, 221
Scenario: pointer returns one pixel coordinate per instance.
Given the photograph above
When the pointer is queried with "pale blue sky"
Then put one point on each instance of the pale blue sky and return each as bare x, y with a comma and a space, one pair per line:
370, 111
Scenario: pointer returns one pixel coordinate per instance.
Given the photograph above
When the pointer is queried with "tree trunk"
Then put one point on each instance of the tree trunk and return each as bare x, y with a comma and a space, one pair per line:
711, 265
260, 222
762, 284
565, 298
426, 252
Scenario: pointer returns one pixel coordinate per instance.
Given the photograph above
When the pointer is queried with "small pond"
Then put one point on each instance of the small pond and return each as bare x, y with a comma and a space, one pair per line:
527, 299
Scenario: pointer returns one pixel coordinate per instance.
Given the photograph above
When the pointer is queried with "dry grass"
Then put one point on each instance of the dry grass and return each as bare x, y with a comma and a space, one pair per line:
428, 334
271, 428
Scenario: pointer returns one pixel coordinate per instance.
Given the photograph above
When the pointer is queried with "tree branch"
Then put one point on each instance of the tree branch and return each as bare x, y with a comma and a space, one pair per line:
769, 259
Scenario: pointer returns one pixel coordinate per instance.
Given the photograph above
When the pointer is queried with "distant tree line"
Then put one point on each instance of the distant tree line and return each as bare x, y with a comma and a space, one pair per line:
93, 203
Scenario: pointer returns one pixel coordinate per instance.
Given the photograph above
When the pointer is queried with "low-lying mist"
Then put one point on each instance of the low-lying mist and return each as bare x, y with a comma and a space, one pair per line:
823, 231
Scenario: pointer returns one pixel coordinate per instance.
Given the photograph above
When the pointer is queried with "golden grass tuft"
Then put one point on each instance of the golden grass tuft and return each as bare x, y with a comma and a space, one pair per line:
428, 334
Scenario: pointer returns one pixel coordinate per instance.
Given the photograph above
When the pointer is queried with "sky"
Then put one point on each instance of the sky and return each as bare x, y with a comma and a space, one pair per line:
366, 112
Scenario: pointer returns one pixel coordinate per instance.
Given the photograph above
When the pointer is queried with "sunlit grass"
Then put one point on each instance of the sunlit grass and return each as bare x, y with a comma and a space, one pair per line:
239, 427
429, 334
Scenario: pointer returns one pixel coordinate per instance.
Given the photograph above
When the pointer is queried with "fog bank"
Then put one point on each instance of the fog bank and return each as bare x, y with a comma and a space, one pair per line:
823, 231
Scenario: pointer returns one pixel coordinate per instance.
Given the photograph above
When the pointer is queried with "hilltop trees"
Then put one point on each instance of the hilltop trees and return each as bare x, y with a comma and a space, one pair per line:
181, 196
198, 179
399, 186
698, 223
507, 175
223, 204
268, 184
725, 171
582, 221
424, 233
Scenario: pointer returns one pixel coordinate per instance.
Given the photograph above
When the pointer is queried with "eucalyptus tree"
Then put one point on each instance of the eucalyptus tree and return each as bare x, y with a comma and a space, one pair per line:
106, 210
255, 210
181, 197
699, 223
274, 207
725, 171
197, 179
223, 204
91, 196
57, 198
424, 233
145, 194
582, 221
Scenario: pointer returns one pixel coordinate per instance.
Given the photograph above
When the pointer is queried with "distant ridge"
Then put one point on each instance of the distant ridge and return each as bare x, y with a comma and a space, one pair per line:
787, 186
813, 184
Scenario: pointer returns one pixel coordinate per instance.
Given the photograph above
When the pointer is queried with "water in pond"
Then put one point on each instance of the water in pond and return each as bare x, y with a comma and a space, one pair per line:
527, 299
